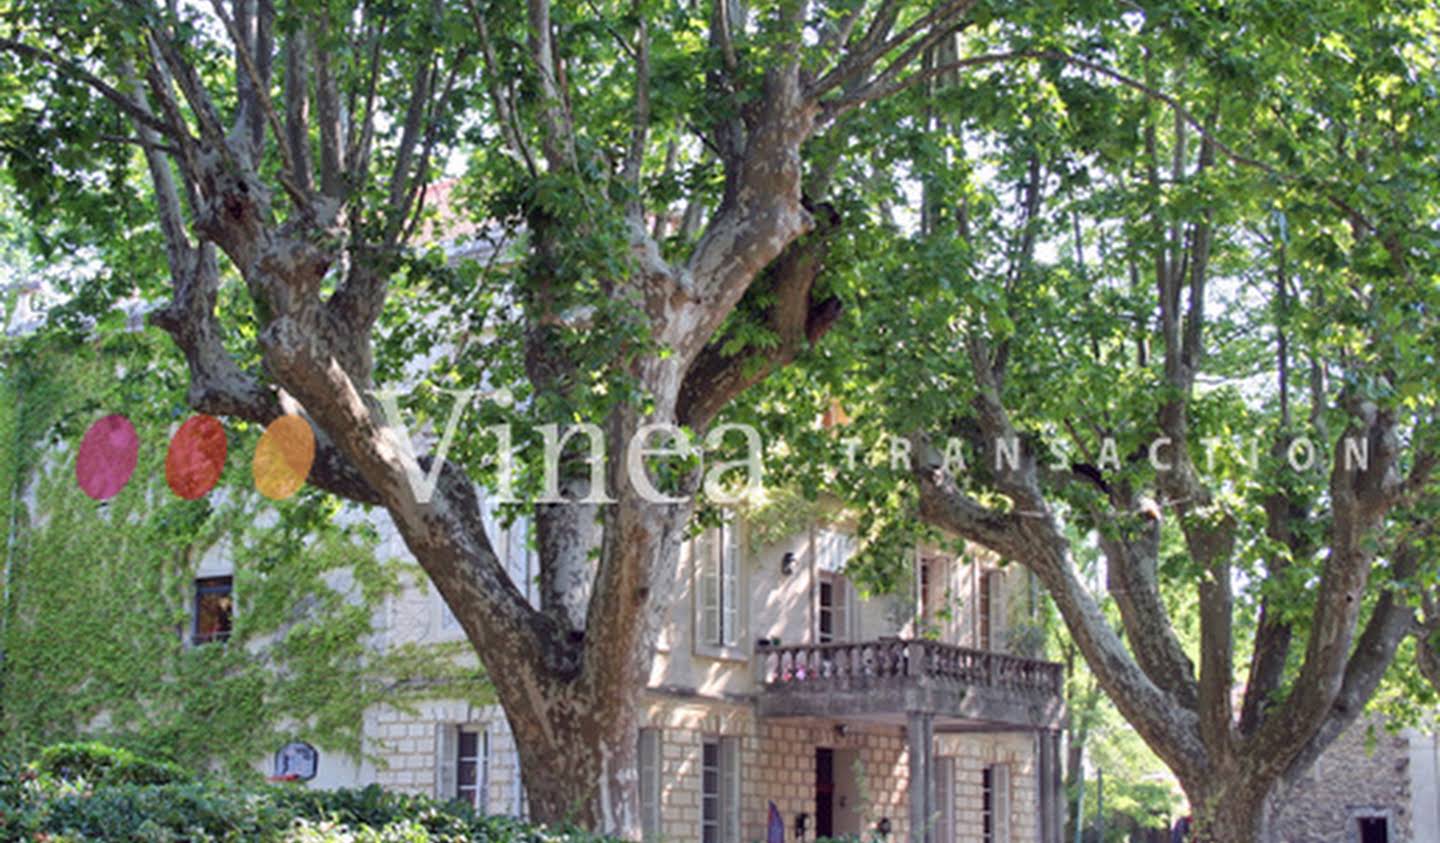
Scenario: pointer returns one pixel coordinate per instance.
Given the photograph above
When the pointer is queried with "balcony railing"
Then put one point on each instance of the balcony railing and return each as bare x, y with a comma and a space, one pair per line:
820, 665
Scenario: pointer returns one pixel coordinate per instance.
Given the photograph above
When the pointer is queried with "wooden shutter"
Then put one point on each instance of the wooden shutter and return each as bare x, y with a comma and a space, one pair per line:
995, 600
447, 753
730, 790
840, 607
729, 583
945, 799
649, 752
708, 582
482, 775
1000, 787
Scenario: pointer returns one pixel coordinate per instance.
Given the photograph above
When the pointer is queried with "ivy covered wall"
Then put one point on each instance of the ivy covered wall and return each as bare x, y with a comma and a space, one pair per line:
95, 611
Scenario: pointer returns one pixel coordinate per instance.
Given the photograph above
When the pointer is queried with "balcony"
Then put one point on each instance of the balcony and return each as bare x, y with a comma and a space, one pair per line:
886, 679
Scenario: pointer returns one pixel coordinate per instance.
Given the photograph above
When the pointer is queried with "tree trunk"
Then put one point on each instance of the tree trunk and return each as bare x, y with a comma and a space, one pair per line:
579, 760
1231, 809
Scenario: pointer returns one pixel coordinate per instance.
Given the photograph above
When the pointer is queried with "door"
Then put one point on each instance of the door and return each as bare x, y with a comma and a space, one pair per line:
824, 793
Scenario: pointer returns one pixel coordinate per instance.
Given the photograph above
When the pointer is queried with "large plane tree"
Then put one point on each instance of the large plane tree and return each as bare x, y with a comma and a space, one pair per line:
645, 166
1185, 319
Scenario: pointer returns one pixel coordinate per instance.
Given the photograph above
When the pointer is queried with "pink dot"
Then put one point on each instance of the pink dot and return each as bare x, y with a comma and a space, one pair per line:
107, 457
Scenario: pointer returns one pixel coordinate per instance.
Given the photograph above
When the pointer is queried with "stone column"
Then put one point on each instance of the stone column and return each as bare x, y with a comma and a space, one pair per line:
920, 731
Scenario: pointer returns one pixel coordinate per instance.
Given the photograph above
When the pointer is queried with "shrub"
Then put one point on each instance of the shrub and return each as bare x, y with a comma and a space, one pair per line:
76, 793
99, 763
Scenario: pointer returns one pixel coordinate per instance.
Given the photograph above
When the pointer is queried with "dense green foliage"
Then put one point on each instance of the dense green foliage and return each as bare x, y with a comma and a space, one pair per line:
98, 597
36, 803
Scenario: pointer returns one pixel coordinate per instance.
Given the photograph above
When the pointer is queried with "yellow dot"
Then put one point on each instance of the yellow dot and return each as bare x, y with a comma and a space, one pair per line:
283, 457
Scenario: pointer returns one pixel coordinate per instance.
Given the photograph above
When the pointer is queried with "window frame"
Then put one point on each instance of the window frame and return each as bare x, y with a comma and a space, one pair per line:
720, 610
726, 768
222, 584
480, 800
840, 611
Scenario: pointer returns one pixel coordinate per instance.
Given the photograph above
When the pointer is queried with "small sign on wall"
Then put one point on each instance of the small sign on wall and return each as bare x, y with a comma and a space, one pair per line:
296, 761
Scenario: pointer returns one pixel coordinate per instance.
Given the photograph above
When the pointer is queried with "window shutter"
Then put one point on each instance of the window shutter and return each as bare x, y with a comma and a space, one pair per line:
1000, 782
994, 582
945, 797
482, 776
729, 584
709, 584
840, 614
730, 790
446, 754
650, 783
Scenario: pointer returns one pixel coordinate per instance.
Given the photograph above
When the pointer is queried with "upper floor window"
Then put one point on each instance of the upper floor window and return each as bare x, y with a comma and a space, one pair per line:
832, 614
214, 609
717, 568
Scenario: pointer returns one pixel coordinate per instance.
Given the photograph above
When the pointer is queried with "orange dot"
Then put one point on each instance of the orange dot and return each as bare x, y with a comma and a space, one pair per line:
283, 457
196, 457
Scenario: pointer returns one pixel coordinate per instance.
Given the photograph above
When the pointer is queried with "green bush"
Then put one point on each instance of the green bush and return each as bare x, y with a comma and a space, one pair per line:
76, 793
99, 763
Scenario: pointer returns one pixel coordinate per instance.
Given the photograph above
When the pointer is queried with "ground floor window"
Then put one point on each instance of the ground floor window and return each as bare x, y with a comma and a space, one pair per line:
1373, 829
472, 767
720, 790
995, 804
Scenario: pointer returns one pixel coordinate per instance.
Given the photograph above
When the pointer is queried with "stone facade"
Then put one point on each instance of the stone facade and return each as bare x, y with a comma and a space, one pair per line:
701, 690
1368, 773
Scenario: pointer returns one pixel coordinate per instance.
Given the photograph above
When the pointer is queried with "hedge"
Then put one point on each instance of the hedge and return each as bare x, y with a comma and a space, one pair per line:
90, 792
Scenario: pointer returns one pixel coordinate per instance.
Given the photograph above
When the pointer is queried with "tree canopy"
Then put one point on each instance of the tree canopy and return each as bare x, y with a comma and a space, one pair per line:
1057, 235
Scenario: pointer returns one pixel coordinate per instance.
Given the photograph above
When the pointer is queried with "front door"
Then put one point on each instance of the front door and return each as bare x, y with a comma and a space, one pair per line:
824, 793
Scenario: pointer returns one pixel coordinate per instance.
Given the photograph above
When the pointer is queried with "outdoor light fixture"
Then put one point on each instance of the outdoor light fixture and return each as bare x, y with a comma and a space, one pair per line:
840, 730
882, 828
787, 563
800, 822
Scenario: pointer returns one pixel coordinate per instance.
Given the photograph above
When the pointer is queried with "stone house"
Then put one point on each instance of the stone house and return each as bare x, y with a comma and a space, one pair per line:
1371, 785
776, 681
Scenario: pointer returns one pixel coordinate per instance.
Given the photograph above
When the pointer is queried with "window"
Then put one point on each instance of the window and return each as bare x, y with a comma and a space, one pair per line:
832, 616
649, 763
214, 609
720, 791
1373, 829
995, 804
717, 561
472, 767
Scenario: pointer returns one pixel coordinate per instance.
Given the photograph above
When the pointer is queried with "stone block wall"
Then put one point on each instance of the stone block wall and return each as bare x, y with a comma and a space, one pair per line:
1364, 772
777, 763
405, 743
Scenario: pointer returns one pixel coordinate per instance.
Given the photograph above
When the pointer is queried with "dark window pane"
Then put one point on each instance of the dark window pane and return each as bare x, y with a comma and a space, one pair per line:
467, 744
467, 774
214, 609
1374, 830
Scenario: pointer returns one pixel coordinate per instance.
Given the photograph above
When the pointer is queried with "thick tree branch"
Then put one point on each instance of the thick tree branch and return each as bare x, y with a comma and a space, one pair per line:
798, 319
